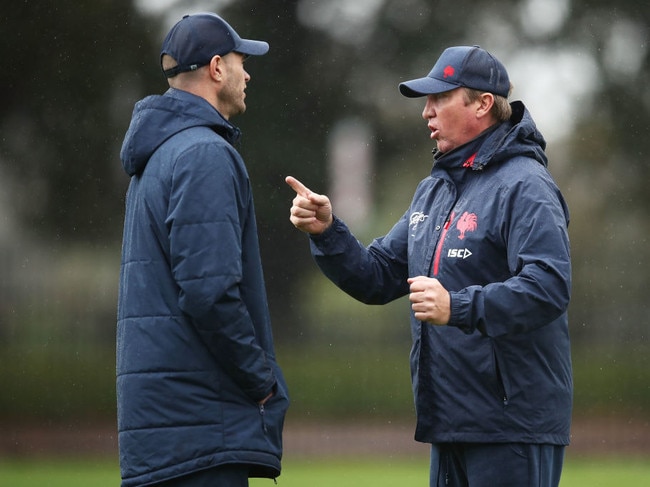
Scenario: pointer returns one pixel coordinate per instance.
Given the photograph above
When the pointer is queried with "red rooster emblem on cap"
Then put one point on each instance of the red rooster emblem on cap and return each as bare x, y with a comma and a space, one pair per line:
466, 223
448, 71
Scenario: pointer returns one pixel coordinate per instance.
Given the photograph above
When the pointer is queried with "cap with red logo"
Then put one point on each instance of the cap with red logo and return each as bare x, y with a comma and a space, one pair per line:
466, 66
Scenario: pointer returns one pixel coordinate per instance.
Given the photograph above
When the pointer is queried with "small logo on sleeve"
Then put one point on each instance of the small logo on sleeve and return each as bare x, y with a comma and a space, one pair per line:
416, 218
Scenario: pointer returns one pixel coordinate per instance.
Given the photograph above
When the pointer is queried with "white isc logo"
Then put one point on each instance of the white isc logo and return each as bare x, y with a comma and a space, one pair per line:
459, 253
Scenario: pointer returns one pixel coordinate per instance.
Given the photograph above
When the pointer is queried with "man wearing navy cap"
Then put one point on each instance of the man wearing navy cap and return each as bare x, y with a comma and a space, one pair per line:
201, 399
483, 254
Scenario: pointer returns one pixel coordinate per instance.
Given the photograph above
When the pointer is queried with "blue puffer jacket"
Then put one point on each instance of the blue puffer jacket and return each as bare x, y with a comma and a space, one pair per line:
194, 344
491, 225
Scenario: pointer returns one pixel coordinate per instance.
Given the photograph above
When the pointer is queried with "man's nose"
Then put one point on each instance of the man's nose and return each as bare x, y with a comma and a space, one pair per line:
428, 111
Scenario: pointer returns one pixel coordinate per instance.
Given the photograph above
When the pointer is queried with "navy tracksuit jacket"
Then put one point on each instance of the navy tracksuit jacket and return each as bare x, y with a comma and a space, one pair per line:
491, 225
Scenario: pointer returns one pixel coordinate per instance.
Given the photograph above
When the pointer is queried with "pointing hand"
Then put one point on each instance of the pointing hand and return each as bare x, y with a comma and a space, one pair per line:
311, 212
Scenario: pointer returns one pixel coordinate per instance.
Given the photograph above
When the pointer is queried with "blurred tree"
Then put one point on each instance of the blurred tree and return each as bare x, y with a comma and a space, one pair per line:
71, 73
609, 159
284, 127
74, 69
333, 60
315, 75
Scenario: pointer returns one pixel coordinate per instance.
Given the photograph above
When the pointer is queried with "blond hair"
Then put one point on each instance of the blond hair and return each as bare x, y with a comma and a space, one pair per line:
501, 110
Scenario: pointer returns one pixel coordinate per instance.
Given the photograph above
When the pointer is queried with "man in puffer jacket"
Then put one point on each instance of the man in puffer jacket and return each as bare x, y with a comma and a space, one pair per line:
483, 253
201, 399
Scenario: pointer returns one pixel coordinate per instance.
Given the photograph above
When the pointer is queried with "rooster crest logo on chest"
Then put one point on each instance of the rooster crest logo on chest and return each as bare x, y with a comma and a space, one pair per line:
466, 223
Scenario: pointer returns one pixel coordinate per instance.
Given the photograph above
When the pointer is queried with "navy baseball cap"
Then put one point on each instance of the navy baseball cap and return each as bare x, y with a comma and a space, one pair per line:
467, 66
196, 39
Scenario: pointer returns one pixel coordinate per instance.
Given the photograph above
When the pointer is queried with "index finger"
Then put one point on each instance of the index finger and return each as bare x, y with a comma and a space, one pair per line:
297, 186
411, 280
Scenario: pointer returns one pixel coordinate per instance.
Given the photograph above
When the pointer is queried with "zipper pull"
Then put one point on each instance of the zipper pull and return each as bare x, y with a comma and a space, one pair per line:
450, 218
262, 412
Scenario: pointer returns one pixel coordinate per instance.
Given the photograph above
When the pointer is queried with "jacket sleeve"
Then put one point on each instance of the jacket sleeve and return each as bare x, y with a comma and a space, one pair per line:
206, 215
538, 255
373, 275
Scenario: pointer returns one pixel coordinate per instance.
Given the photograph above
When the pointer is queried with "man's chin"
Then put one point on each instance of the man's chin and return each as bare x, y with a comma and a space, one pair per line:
239, 111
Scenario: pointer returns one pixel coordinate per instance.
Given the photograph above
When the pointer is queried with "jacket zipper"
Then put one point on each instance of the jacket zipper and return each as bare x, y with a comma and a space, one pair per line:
262, 412
500, 379
441, 242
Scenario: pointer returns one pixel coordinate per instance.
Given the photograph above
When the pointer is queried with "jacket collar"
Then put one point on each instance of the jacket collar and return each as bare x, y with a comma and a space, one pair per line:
464, 155
212, 117
516, 136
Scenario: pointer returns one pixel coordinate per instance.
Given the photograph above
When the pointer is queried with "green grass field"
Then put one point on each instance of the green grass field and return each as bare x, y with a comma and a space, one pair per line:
313, 473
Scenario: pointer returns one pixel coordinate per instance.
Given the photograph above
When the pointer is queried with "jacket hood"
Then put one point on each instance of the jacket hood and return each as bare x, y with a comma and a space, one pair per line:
156, 118
518, 136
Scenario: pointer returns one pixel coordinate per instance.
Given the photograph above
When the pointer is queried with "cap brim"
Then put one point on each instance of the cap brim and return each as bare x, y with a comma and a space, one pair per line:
252, 48
424, 86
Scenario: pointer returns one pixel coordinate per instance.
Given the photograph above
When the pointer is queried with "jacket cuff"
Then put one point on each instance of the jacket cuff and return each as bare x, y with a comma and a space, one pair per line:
328, 243
460, 304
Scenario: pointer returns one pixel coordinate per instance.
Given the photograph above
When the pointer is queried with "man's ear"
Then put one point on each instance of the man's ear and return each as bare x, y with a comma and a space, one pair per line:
486, 101
216, 67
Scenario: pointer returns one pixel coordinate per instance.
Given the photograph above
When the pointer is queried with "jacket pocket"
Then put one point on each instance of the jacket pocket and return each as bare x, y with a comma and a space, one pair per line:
271, 416
500, 376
